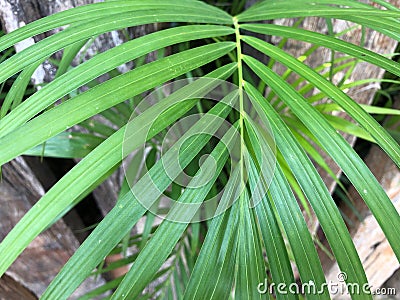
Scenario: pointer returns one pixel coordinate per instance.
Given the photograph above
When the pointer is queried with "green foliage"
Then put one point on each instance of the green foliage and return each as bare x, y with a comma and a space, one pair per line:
222, 257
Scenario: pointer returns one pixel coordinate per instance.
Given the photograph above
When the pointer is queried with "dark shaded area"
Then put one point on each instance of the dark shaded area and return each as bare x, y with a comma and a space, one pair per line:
86, 213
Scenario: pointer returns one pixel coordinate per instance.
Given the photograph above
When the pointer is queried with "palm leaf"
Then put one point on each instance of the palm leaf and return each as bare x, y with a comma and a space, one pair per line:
258, 230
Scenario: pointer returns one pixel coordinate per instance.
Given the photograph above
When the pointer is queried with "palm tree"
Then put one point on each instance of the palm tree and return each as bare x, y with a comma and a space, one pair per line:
259, 163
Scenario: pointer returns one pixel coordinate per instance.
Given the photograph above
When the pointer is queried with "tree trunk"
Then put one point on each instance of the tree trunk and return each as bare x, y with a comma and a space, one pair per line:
20, 188
13, 15
16, 13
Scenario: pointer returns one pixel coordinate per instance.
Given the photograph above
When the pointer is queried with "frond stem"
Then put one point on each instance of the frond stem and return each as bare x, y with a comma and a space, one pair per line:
241, 105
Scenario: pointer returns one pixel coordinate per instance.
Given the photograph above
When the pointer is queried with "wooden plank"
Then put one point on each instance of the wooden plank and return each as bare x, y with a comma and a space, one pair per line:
12, 290
43, 258
377, 257
375, 252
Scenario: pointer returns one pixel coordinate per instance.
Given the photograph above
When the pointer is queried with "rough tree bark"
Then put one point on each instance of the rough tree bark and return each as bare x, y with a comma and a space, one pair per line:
16, 13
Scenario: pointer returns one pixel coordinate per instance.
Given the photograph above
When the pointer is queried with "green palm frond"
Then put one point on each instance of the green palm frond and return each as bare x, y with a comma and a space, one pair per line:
258, 230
